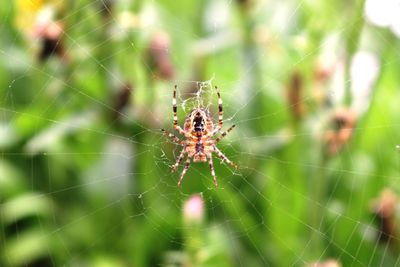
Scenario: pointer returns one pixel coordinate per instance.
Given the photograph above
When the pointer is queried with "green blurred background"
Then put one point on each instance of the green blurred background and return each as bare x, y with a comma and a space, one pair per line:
312, 87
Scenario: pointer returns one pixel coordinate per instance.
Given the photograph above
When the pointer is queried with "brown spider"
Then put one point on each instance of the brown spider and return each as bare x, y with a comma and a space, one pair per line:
198, 131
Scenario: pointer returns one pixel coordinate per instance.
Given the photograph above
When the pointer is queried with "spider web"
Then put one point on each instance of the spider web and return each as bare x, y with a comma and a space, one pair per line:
83, 189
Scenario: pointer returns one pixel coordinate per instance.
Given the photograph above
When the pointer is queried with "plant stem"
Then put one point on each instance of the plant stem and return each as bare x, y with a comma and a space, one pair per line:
317, 203
352, 37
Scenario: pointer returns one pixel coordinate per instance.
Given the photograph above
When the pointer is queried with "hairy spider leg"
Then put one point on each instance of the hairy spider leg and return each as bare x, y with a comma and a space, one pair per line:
211, 165
187, 164
179, 160
223, 134
220, 113
174, 110
224, 158
173, 137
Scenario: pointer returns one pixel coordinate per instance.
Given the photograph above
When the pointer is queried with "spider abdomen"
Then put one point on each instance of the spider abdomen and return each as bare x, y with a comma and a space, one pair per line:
199, 155
199, 147
198, 124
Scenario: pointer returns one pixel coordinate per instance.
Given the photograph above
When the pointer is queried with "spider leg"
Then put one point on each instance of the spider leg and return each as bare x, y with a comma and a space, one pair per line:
187, 164
173, 137
211, 165
223, 134
178, 160
174, 110
224, 158
220, 113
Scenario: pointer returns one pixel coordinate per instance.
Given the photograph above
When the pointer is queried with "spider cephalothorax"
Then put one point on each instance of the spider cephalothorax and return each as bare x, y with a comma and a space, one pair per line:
198, 131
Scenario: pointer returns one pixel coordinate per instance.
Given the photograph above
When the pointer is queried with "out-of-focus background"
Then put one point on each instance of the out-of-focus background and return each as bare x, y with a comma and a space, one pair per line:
312, 86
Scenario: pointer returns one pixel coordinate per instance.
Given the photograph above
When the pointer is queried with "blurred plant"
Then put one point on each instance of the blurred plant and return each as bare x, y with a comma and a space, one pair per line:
364, 72
341, 127
352, 37
294, 95
384, 208
25, 221
106, 8
193, 218
203, 245
37, 20
324, 70
121, 100
384, 13
51, 41
26, 14
245, 3
158, 57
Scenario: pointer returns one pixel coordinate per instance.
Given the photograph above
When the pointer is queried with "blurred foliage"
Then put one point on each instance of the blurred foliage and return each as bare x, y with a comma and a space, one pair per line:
86, 86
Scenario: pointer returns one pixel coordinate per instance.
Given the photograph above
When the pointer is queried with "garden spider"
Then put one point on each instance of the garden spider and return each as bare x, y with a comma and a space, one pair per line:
198, 131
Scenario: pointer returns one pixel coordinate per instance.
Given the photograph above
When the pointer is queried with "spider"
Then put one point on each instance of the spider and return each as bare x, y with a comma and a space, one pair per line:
199, 131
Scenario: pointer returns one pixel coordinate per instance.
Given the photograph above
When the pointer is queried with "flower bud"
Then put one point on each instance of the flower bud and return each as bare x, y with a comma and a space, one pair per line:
328, 263
340, 130
193, 210
384, 208
159, 58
